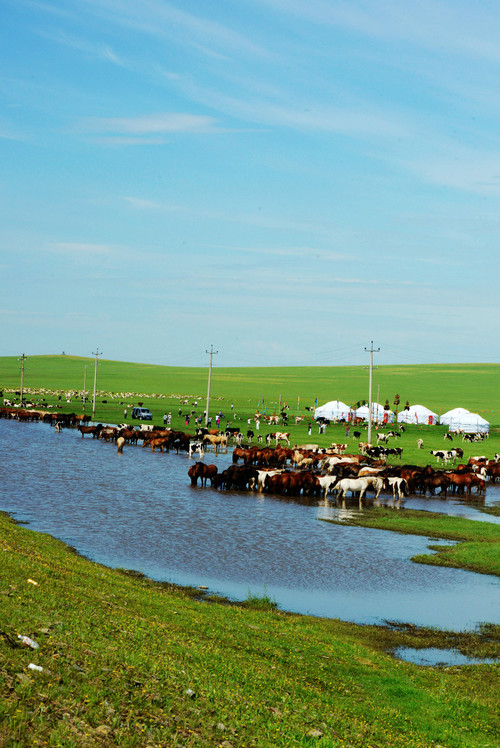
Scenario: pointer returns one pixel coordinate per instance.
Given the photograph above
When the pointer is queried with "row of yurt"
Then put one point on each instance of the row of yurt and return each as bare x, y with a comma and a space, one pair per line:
336, 410
418, 414
458, 419
379, 415
461, 419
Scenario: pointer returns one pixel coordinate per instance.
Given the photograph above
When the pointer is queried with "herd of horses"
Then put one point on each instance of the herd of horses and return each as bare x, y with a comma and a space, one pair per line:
300, 471
316, 473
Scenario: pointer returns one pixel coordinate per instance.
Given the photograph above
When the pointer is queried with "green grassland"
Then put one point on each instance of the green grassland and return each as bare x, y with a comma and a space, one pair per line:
438, 386
165, 389
130, 662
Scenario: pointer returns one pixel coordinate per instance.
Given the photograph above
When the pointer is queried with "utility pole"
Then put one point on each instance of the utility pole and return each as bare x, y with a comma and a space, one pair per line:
212, 353
371, 350
96, 354
84, 387
22, 359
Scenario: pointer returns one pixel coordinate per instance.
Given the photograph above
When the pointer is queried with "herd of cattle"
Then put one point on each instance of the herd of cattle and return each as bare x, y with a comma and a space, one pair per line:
299, 471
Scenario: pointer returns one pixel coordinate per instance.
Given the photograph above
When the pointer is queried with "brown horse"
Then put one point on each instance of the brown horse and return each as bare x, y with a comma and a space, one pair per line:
203, 472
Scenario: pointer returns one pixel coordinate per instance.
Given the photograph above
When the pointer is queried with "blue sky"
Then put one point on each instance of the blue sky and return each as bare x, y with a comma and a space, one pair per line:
284, 179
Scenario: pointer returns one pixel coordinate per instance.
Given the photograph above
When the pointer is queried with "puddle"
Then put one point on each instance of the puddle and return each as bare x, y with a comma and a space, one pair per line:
439, 657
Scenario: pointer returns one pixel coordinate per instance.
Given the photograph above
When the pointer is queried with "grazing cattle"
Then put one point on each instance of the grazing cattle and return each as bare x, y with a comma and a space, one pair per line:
356, 434
196, 447
250, 435
338, 447
281, 436
363, 447
448, 436
381, 437
420, 443
232, 432
444, 455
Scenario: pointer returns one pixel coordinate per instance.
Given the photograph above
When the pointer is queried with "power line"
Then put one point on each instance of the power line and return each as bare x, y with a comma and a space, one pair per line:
96, 354
22, 359
371, 351
212, 353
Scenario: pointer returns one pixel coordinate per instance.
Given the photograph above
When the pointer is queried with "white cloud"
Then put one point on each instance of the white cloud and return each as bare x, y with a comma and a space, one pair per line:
148, 124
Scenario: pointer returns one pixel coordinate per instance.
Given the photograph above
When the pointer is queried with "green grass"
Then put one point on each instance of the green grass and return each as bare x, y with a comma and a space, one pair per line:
129, 662
438, 386
164, 389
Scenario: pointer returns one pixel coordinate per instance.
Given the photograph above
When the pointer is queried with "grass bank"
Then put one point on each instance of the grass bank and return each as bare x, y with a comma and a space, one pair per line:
129, 662
477, 547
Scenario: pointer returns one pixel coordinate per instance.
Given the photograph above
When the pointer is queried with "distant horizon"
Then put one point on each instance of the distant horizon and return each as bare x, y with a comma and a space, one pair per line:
260, 366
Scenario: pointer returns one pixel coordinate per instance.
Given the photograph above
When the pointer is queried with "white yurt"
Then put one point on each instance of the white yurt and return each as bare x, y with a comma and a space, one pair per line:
418, 414
472, 423
453, 418
378, 413
334, 410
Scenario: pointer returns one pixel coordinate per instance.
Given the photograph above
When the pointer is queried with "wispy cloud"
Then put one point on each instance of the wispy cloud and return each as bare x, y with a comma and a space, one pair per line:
162, 19
143, 204
7, 132
80, 248
99, 51
149, 124
435, 24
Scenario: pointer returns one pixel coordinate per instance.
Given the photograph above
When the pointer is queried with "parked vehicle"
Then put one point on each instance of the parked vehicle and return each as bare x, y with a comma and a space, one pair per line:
143, 414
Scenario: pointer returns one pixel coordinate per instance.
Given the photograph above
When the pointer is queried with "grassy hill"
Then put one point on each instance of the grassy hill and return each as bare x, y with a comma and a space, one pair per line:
438, 386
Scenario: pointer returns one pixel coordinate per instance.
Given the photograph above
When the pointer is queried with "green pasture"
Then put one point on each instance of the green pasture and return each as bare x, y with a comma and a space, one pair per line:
172, 390
437, 386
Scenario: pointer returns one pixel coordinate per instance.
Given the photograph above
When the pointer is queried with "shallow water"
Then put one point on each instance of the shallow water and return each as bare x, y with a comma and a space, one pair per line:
439, 657
137, 510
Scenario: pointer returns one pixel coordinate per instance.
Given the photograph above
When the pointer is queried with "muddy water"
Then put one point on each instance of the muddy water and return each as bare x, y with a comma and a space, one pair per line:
137, 510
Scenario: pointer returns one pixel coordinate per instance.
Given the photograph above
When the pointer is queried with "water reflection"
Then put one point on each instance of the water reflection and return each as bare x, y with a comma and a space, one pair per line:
137, 510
